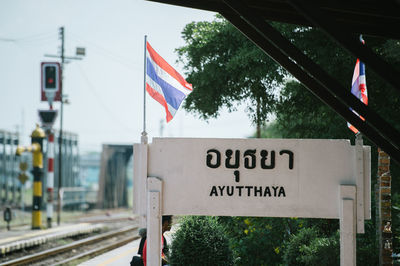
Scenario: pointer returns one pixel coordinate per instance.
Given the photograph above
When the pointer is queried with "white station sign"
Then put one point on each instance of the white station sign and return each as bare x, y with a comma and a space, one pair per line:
255, 177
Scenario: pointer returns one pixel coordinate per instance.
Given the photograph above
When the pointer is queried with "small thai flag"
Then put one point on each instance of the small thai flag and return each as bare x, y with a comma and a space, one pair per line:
164, 83
359, 87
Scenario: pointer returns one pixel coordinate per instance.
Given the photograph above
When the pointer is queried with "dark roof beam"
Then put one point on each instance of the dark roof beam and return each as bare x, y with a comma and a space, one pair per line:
335, 88
348, 41
371, 17
208, 5
309, 81
387, 9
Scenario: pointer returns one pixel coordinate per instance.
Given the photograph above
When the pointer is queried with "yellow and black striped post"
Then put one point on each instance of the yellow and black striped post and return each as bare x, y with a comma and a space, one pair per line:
37, 160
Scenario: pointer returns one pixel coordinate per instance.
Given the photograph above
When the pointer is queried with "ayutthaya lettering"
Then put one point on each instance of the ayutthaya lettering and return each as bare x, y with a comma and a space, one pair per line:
232, 161
232, 158
248, 191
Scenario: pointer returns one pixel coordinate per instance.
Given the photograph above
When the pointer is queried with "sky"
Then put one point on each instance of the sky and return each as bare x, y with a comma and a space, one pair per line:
105, 88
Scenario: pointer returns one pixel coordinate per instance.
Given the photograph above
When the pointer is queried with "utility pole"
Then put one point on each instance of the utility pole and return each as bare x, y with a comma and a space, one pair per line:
60, 139
61, 130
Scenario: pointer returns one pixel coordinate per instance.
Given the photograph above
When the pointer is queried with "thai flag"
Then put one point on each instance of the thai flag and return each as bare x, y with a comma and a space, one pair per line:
164, 83
359, 88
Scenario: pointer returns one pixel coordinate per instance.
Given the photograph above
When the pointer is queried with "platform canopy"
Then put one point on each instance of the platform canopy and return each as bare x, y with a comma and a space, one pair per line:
370, 17
341, 20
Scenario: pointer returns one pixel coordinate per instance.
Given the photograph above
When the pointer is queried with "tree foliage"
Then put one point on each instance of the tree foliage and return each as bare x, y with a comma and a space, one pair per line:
227, 69
258, 241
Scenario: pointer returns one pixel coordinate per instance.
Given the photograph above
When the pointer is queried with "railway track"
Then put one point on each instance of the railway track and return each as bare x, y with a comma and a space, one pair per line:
68, 253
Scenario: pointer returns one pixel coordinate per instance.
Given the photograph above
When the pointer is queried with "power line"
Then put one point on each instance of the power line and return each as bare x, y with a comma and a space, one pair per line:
36, 36
108, 111
29, 38
105, 52
7, 40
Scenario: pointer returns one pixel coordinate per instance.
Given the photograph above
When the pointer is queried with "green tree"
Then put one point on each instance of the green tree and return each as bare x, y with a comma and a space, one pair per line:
227, 69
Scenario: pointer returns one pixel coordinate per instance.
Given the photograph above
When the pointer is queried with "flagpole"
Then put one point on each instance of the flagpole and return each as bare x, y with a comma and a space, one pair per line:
144, 133
359, 136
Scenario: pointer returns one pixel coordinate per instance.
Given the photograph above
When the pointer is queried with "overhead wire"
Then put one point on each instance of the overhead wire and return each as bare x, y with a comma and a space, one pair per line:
40, 38
35, 36
105, 52
7, 39
30, 38
105, 107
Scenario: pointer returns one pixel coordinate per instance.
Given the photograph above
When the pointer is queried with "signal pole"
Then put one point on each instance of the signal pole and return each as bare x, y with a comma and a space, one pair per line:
60, 139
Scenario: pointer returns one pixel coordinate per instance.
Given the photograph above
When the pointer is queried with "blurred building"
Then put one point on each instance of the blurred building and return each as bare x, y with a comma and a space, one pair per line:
10, 186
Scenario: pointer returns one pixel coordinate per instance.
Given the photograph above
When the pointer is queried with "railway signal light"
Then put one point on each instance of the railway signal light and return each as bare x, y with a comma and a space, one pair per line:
51, 81
50, 77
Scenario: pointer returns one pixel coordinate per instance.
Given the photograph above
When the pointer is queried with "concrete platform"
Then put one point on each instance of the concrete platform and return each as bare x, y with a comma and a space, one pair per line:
23, 237
124, 254
120, 256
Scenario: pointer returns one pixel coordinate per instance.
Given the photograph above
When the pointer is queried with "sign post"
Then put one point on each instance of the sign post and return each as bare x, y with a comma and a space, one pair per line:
154, 232
139, 186
307, 178
348, 225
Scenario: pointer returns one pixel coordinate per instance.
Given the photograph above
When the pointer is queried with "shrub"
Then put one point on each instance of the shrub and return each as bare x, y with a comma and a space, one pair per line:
200, 240
258, 240
307, 248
